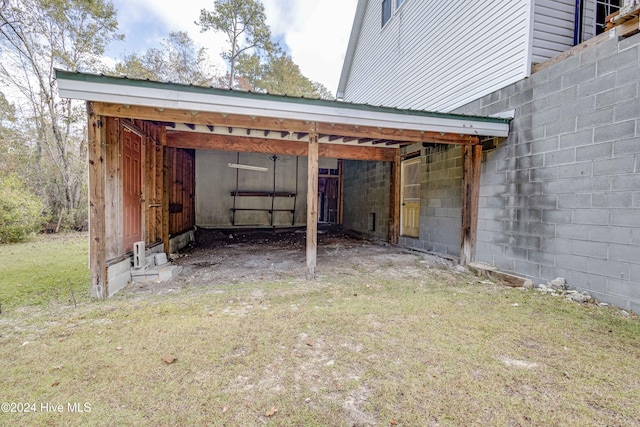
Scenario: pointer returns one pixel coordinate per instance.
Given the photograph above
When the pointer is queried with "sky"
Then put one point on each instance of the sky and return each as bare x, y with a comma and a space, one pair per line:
315, 33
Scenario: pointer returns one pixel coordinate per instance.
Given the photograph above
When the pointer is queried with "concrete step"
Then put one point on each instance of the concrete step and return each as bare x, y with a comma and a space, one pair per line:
154, 273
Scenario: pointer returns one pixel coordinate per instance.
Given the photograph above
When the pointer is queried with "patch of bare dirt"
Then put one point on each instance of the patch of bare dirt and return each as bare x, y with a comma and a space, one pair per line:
241, 256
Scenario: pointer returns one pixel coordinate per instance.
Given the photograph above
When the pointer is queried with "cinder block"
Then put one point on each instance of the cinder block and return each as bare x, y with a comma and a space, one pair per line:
552, 158
579, 75
625, 253
542, 90
617, 61
617, 95
620, 235
562, 126
520, 98
544, 174
608, 268
572, 262
596, 151
597, 85
627, 111
565, 66
626, 146
603, 50
591, 216
570, 232
542, 229
617, 166
628, 75
625, 182
559, 216
526, 242
515, 253
561, 186
575, 139
595, 119
634, 275
582, 169
629, 42
541, 257
556, 245
564, 96
504, 263
612, 200
591, 282
526, 268
589, 184
590, 249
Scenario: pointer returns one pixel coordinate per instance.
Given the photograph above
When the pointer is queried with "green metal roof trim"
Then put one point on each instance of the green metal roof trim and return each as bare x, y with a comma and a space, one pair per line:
125, 81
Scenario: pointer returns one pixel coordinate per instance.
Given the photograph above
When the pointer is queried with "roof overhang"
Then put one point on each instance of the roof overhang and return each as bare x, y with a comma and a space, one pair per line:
161, 96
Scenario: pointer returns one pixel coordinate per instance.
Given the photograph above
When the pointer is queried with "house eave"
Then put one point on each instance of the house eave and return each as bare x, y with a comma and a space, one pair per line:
170, 96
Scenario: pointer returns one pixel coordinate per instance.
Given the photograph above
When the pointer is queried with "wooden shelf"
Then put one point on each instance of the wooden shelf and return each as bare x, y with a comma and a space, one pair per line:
262, 194
262, 210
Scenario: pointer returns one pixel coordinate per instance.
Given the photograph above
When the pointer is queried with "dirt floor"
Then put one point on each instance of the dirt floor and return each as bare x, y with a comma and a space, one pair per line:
263, 255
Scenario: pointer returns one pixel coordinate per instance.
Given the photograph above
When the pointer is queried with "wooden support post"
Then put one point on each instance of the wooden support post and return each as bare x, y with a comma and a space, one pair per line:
97, 229
472, 157
312, 205
394, 206
165, 189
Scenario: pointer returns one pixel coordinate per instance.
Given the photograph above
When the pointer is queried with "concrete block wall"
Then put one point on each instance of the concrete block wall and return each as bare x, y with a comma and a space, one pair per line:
561, 196
440, 200
367, 197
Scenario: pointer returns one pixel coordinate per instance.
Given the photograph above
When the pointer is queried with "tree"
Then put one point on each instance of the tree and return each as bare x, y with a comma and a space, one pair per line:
20, 211
279, 75
178, 61
244, 24
36, 36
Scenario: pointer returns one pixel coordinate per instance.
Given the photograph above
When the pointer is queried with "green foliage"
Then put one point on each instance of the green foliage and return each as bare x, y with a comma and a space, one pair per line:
177, 61
279, 75
20, 211
36, 36
244, 24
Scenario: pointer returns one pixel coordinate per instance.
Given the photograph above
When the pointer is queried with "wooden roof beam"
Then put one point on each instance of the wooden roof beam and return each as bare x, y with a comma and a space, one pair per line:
273, 124
205, 141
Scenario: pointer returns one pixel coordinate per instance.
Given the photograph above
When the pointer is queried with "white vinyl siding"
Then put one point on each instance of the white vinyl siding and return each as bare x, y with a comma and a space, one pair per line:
553, 28
436, 55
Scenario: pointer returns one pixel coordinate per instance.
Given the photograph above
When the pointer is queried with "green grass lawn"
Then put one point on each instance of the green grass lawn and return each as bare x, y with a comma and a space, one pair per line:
412, 346
39, 272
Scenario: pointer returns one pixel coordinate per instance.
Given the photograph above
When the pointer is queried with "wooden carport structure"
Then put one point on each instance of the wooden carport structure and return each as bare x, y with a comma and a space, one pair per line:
174, 117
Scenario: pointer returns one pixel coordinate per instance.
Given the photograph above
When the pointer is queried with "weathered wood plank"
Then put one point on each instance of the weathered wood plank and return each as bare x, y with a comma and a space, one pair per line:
274, 124
472, 156
273, 146
312, 206
113, 180
97, 231
166, 185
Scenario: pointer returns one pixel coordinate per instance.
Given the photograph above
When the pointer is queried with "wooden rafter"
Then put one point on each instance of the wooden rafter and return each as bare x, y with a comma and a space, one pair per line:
194, 140
281, 125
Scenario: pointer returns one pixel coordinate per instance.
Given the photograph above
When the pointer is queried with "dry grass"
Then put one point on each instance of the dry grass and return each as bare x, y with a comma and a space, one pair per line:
417, 345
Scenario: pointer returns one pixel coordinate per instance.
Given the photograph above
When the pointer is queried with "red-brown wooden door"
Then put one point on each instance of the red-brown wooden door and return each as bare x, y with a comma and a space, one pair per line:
132, 188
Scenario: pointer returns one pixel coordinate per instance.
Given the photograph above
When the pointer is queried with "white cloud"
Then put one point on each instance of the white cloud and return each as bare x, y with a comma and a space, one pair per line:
316, 32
